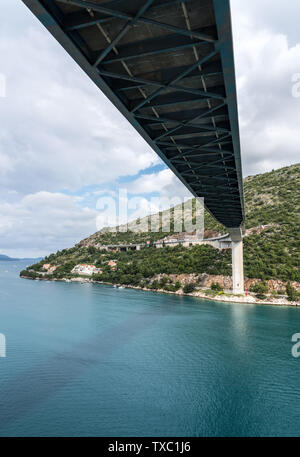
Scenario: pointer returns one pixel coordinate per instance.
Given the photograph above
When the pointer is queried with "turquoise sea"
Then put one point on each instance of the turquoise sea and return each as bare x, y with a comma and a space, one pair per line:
91, 360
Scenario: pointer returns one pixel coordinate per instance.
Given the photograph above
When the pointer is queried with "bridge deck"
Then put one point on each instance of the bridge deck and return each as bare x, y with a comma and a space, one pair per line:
168, 67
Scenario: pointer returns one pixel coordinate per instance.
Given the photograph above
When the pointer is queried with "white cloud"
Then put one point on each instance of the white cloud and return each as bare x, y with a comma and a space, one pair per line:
58, 131
43, 222
121, 210
163, 182
265, 63
271, 15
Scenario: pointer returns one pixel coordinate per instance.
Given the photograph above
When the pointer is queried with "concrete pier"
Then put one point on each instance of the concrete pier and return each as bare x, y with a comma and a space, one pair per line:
237, 261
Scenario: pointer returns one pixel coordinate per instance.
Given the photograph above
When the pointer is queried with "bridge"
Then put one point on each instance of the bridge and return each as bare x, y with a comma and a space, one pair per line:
219, 242
168, 66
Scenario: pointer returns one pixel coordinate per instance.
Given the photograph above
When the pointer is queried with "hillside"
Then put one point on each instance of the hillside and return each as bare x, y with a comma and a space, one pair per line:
6, 258
271, 244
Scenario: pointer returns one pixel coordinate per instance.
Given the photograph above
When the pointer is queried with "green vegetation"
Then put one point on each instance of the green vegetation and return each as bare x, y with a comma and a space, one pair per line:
216, 286
271, 245
30, 274
292, 293
273, 199
189, 288
140, 230
259, 288
261, 296
135, 266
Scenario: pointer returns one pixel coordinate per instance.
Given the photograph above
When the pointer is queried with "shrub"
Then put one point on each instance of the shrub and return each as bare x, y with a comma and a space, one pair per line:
216, 286
189, 288
155, 285
162, 283
97, 277
292, 293
261, 296
177, 285
30, 274
259, 288
170, 288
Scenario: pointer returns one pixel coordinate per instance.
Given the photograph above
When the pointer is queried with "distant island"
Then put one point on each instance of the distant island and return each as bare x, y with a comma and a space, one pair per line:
7, 258
271, 251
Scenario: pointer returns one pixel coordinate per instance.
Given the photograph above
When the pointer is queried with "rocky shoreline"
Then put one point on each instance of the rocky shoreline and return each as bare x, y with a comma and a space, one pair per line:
205, 294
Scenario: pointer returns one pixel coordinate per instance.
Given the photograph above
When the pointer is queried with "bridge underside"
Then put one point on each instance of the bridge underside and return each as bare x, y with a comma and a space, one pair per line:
168, 67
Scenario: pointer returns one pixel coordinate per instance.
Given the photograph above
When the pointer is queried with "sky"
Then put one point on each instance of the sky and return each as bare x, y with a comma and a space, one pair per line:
65, 150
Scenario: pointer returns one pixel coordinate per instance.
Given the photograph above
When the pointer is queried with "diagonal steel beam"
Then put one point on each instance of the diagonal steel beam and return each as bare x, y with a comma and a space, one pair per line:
210, 168
212, 178
203, 167
215, 165
170, 99
219, 197
153, 52
215, 150
175, 80
138, 85
202, 147
196, 149
124, 30
205, 188
206, 164
176, 102
177, 145
183, 124
232, 209
216, 187
199, 127
217, 141
145, 82
71, 28
170, 3
211, 174
80, 24
121, 15
163, 119
204, 127
215, 177
188, 155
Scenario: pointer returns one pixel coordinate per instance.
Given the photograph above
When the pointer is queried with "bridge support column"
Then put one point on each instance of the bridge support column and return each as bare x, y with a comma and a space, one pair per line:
237, 261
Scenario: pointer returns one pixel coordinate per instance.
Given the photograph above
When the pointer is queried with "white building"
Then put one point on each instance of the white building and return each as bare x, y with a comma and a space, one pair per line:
85, 269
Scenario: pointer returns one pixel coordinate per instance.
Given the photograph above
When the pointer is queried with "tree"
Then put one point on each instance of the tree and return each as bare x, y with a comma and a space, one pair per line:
163, 282
189, 288
292, 293
259, 288
155, 285
177, 285
216, 286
